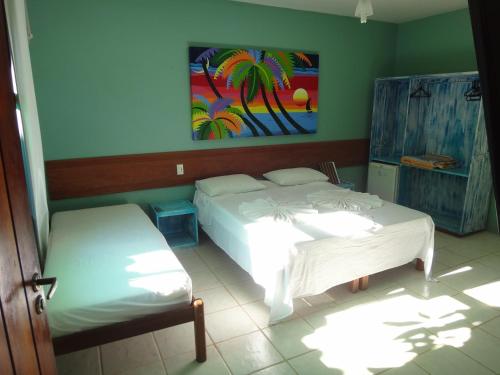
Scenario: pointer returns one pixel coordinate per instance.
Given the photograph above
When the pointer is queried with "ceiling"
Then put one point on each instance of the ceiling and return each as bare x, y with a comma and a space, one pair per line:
395, 11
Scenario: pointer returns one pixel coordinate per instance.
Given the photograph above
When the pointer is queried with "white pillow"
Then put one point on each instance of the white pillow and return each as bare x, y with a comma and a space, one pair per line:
295, 176
235, 183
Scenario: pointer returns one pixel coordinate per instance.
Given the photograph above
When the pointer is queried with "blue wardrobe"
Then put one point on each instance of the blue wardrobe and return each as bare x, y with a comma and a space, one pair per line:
436, 114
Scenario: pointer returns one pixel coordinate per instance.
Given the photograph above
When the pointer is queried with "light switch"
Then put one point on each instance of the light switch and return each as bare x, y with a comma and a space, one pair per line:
180, 169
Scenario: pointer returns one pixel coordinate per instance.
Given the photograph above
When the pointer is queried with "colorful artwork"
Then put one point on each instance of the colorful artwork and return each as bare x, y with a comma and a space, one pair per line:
252, 92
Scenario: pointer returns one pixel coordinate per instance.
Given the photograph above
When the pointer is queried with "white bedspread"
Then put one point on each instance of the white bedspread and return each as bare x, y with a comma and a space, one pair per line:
314, 252
112, 265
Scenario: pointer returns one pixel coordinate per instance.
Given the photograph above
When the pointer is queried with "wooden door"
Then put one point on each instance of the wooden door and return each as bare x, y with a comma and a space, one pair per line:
25, 336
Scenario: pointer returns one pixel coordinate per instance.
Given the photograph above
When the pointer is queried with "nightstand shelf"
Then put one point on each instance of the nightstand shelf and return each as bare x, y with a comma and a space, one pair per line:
346, 185
177, 221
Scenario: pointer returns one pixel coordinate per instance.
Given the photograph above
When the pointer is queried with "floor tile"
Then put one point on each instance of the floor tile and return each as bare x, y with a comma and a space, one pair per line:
476, 245
488, 293
279, 369
308, 305
450, 361
484, 348
430, 289
470, 250
492, 327
246, 292
213, 256
316, 363
449, 258
226, 324
468, 275
128, 354
185, 364
442, 239
407, 369
446, 312
156, 368
190, 260
232, 275
216, 299
249, 353
204, 280
288, 337
320, 318
83, 362
437, 268
176, 340
341, 294
491, 261
258, 312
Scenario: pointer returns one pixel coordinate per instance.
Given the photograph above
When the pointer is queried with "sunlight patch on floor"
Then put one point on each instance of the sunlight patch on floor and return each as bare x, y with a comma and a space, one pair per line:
488, 294
389, 332
457, 271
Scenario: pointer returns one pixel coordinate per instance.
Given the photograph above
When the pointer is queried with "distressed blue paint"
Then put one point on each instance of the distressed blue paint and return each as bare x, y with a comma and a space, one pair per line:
440, 195
444, 123
478, 195
389, 118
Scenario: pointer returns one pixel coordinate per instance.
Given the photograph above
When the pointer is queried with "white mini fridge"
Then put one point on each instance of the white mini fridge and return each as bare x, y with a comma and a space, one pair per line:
383, 181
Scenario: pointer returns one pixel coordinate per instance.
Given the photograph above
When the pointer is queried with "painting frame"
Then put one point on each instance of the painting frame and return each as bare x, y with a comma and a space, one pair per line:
252, 92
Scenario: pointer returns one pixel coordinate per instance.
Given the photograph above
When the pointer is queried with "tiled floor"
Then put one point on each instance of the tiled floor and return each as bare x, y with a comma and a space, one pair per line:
400, 325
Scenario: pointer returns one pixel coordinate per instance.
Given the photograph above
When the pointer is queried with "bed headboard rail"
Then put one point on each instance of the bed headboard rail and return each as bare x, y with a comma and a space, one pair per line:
83, 177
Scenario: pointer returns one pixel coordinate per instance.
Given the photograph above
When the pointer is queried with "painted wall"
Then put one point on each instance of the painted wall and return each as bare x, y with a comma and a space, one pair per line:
112, 77
439, 44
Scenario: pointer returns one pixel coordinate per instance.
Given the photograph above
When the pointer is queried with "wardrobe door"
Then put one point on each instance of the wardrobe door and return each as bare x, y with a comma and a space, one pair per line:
389, 119
477, 199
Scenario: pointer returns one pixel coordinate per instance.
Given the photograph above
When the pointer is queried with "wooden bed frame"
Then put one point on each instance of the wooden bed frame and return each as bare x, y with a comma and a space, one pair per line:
362, 282
193, 312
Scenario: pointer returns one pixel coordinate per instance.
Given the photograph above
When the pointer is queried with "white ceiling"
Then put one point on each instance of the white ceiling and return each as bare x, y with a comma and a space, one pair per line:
395, 11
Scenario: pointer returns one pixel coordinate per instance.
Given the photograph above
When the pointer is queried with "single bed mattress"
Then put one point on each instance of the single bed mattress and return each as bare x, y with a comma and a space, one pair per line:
112, 265
301, 240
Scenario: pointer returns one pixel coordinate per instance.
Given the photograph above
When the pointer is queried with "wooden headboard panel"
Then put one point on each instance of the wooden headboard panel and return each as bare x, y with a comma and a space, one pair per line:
73, 178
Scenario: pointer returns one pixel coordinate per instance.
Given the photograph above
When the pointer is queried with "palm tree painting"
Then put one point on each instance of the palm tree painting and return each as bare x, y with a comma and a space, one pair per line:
239, 92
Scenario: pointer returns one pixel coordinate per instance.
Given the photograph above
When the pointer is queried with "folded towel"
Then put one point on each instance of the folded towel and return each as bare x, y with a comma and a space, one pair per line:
345, 200
429, 161
278, 211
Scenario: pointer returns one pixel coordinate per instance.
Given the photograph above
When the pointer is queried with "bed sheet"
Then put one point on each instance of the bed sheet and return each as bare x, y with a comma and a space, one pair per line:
112, 265
318, 251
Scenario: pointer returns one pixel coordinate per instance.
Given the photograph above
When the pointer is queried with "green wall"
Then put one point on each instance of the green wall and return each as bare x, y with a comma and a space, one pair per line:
439, 44
112, 76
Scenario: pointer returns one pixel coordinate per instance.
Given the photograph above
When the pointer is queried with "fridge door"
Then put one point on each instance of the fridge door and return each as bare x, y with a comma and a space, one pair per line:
383, 181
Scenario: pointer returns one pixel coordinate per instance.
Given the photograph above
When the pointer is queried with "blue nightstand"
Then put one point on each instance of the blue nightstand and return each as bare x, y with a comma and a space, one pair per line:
346, 185
178, 221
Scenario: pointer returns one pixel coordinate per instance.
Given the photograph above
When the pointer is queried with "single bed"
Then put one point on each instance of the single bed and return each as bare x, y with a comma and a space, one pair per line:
117, 277
317, 251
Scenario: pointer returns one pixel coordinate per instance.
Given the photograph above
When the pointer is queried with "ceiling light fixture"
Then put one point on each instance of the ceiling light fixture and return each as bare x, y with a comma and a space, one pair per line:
364, 9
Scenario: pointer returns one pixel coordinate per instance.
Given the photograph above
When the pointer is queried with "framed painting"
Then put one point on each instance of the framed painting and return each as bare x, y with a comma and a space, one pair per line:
241, 92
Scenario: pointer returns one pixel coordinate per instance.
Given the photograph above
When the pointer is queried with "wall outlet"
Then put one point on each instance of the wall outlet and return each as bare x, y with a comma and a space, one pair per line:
180, 169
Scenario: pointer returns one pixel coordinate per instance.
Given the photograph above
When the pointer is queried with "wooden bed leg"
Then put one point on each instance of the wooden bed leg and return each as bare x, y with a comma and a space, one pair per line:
354, 285
363, 282
199, 330
420, 265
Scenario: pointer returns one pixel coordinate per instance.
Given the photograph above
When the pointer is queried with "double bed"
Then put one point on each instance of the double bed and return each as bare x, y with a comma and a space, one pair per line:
117, 278
302, 244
